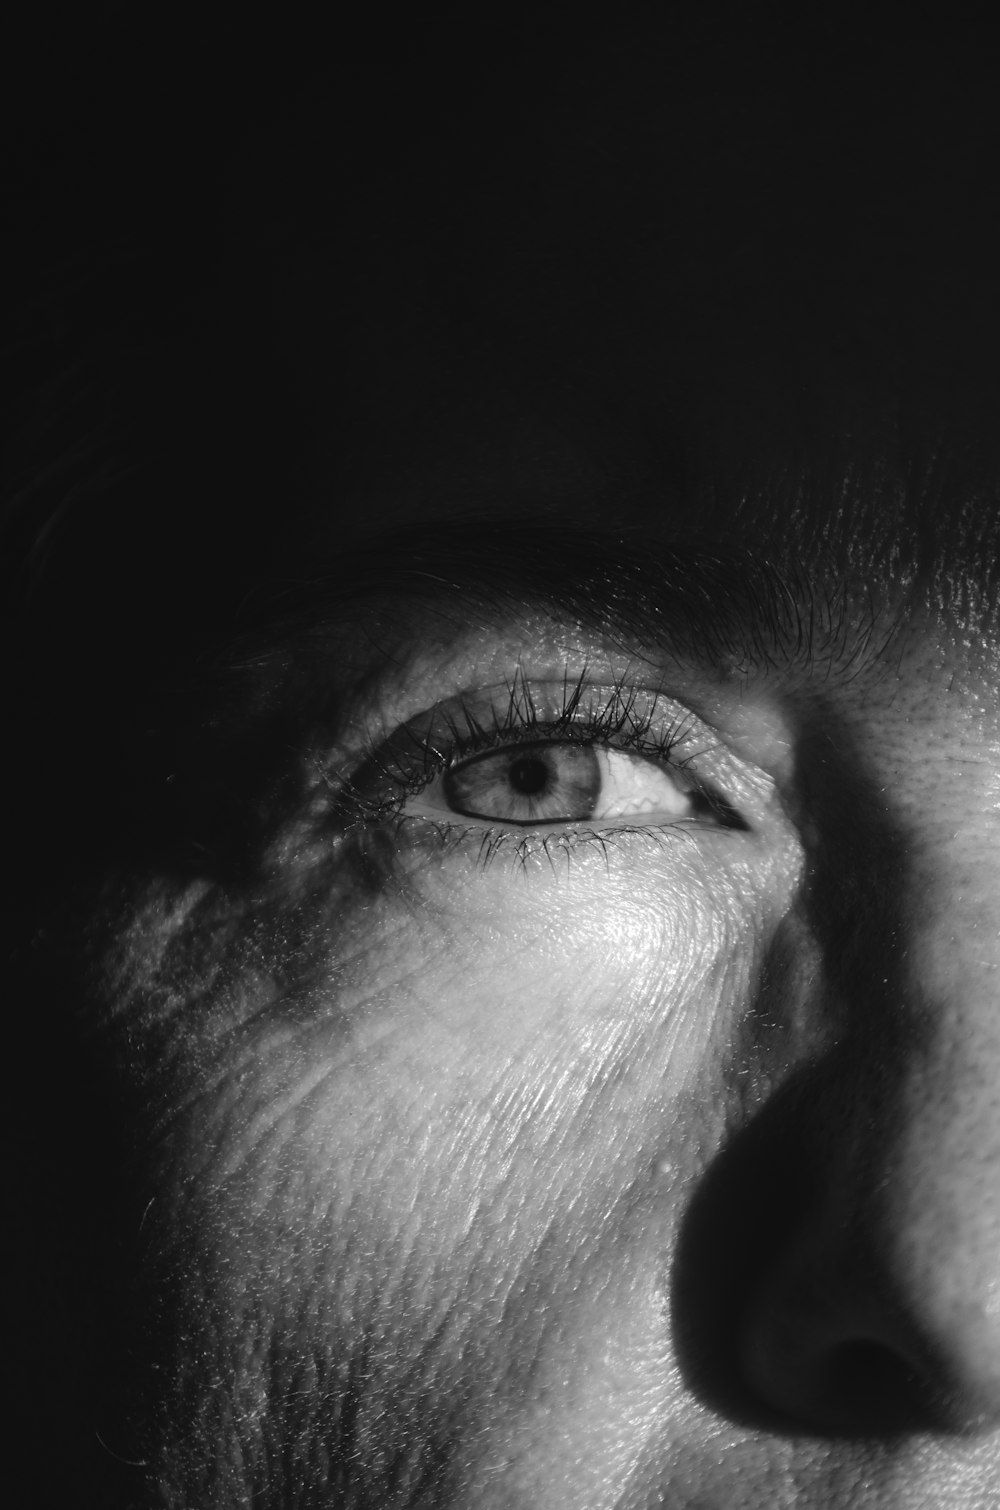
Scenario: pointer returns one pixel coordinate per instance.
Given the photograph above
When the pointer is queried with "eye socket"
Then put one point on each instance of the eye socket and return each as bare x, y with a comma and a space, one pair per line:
557, 782
572, 758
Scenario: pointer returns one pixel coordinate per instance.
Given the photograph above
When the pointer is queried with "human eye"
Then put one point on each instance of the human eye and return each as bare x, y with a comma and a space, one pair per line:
554, 782
537, 762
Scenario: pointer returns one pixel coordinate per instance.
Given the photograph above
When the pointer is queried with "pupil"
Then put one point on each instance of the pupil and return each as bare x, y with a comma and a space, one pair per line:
528, 775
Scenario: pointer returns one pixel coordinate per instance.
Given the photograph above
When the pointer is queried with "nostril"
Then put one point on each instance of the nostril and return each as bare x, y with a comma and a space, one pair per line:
867, 1387
857, 1385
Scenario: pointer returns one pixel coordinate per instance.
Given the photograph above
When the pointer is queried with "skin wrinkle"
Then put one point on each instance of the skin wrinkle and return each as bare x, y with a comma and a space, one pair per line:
368, 1182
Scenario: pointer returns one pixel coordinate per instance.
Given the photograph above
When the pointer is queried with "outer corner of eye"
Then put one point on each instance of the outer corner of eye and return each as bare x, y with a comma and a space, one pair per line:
723, 813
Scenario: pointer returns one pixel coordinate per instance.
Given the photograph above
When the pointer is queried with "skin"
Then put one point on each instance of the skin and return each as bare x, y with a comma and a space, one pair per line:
662, 1176
663, 1171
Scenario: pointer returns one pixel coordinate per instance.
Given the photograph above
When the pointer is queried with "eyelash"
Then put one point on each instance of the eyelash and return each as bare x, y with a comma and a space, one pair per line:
620, 723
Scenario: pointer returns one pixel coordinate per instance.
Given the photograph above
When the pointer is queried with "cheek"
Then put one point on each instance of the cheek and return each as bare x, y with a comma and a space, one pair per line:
480, 1058
396, 1124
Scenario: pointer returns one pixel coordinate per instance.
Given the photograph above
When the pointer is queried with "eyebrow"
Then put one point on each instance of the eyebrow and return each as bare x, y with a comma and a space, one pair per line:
720, 605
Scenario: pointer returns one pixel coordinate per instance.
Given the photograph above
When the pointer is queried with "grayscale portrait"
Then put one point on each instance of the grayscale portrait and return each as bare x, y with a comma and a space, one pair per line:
502, 550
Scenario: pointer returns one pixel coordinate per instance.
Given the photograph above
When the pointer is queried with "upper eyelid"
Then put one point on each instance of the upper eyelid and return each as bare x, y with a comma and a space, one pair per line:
408, 757
403, 685
661, 753
476, 705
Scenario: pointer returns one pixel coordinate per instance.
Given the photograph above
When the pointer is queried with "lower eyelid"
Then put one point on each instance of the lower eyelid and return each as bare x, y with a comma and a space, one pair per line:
549, 852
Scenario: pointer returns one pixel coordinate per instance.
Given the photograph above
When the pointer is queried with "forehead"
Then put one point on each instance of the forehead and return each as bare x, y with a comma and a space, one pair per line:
669, 285
873, 536
696, 288
876, 494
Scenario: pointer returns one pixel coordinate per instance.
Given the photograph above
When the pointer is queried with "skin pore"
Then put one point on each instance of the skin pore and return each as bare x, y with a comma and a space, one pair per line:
637, 1148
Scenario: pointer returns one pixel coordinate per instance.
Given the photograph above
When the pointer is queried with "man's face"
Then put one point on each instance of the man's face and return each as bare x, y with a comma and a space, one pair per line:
585, 1091
559, 1018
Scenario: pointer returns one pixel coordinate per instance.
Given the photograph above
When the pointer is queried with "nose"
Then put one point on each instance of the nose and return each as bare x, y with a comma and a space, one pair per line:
881, 1311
